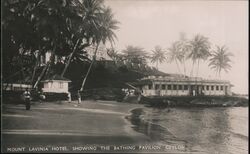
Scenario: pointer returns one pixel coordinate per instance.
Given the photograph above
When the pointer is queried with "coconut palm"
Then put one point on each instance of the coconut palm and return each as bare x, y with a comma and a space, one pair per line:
103, 32
158, 56
184, 48
84, 27
200, 50
220, 60
174, 54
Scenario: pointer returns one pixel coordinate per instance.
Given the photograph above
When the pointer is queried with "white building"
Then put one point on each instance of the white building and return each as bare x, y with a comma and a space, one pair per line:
56, 84
182, 86
16, 87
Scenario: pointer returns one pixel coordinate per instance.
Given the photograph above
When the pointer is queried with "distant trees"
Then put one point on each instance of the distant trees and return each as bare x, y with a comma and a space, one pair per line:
135, 56
174, 54
158, 56
200, 50
197, 49
182, 51
220, 60
179, 51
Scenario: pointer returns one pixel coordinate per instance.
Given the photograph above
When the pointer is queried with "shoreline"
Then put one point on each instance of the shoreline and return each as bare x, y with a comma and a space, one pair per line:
195, 101
91, 123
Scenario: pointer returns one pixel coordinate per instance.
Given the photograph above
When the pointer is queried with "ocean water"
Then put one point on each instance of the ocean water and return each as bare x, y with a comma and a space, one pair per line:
202, 130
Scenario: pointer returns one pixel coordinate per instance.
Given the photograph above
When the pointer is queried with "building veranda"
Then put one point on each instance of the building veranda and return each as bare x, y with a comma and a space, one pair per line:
182, 86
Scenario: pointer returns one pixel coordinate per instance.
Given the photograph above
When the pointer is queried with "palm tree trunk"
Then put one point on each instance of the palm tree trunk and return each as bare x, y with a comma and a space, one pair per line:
21, 64
219, 73
52, 60
70, 57
35, 68
178, 66
85, 78
34, 72
191, 73
184, 65
40, 76
45, 69
197, 72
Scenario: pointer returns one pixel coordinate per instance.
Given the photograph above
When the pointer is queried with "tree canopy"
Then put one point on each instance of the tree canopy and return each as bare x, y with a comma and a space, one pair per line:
220, 59
59, 26
158, 56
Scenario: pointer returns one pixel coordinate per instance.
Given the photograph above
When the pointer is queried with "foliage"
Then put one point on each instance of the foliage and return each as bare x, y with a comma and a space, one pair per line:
135, 55
54, 25
158, 56
200, 48
220, 60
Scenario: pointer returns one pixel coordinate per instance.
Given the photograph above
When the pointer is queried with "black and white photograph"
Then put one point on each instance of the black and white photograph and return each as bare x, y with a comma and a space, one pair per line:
125, 76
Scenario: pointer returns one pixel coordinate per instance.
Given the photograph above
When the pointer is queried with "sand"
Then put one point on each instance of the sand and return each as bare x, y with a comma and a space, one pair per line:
68, 124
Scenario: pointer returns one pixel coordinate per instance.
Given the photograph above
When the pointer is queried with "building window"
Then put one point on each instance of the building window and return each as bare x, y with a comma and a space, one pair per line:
163, 87
174, 87
150, 86
207, 87
212, 87
157, 87
180, 87
221, 88
217, 87
169, 87
61, 85
185, 87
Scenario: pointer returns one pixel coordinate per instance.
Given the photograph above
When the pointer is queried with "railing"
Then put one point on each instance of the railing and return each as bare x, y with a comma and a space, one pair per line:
190, 79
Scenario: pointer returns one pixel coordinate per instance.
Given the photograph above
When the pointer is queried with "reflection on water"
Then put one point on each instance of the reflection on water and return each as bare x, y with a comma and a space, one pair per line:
209, 130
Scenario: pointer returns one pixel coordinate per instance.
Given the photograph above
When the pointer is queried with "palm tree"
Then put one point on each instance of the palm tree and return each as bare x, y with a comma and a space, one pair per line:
84, 26
179, 52
184, 47
220, 60
174, 54
103, 32
158, 56
200, 50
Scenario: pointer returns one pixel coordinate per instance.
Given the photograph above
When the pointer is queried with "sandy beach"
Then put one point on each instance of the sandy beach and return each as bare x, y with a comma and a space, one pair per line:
69, 124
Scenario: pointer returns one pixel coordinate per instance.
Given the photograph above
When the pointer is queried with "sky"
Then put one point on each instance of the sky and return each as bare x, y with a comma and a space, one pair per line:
147, 23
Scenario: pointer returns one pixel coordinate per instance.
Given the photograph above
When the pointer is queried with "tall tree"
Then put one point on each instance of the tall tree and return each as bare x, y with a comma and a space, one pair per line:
174, 54
158, 56
85, 28
200, 50
184, 49
103, 32
64, 27
17, 34
220, 60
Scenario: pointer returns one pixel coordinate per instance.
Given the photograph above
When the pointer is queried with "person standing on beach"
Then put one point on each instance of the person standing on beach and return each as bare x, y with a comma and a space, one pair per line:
27, 97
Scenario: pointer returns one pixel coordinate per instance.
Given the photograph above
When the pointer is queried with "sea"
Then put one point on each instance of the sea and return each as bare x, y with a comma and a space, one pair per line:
217, 130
